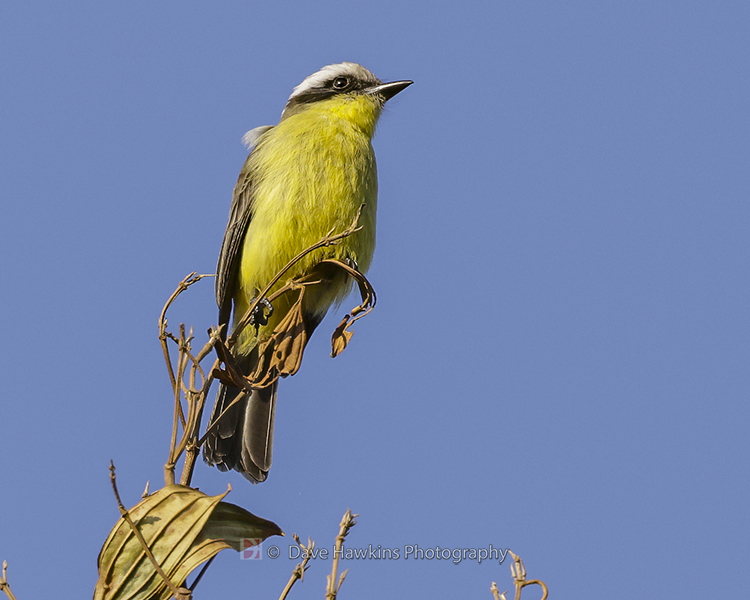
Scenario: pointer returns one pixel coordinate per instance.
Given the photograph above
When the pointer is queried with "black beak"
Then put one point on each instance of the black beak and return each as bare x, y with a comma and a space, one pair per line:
389, 90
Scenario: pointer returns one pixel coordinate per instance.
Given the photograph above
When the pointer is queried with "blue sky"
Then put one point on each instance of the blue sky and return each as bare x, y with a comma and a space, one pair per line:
558, 362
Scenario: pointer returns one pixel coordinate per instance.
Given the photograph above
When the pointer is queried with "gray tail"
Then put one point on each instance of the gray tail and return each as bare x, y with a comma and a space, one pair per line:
243, 438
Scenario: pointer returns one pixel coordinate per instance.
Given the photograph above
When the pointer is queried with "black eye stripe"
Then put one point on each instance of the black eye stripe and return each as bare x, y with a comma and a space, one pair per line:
328, 89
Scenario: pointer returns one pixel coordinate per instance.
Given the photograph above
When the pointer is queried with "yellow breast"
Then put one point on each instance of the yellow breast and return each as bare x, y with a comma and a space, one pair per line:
311, 173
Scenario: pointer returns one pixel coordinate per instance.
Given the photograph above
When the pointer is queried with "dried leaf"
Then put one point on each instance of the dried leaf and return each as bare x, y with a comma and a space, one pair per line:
183, 528
281, 355
342, 335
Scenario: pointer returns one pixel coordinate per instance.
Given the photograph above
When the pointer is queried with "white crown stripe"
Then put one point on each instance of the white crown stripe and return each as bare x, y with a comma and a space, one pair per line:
317, 80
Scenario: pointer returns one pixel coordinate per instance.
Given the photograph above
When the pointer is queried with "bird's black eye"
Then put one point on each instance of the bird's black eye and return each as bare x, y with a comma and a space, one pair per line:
340, 83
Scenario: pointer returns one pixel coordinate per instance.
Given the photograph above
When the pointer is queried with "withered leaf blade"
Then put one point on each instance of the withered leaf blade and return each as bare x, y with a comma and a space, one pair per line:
181, 531
281, 355
342, 335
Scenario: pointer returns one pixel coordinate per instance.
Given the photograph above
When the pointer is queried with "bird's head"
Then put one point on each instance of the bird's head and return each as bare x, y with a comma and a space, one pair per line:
346, 90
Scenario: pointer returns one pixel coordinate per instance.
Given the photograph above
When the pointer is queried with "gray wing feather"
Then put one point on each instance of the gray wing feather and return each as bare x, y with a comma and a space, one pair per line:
243, 440
240, 214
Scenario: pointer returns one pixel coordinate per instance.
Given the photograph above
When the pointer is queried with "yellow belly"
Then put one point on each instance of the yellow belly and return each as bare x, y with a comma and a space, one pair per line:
311, 173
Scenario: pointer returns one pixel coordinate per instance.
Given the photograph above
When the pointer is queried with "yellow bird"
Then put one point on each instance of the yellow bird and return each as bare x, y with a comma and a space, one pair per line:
305, 177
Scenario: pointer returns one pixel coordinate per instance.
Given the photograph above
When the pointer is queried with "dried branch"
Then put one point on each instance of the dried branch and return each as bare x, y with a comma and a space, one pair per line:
518, 570
176, 379
195, 390
179, 593
163, 334
4, 585
299, 571
334, 585
196, 401
496, 592
196, 404
179, 416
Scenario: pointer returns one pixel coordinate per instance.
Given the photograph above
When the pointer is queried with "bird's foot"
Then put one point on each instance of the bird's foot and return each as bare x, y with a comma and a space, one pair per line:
261, 313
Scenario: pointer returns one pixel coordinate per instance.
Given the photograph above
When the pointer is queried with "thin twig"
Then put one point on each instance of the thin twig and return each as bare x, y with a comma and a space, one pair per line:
182, 286
196, 400
182, 362
177, 592
299, 571
195, 368
4, 585
193, 447
174, 379
496, 592
334, 585
178, 417
187, 364
518, 570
